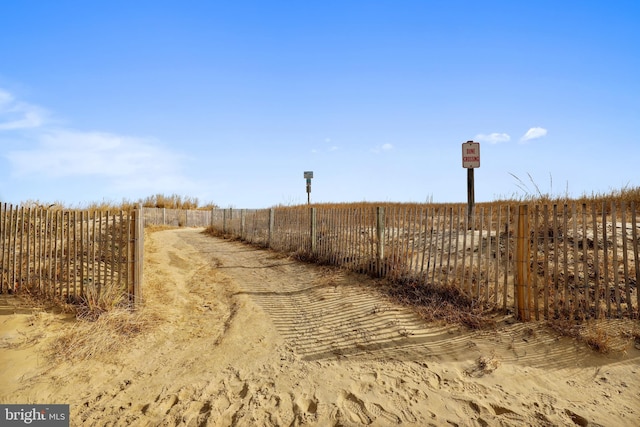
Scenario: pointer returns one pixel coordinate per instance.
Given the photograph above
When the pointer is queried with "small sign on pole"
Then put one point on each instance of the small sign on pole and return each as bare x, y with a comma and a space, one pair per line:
308, 175
470, 160
471, 155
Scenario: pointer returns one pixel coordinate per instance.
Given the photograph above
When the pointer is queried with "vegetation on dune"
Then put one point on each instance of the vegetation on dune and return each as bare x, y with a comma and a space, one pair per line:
173, 201
176, 201
626, 194
532, 193
433, 303
439, 303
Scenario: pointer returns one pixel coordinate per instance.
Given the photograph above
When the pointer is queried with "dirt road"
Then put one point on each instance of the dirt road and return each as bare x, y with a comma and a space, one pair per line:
249, 338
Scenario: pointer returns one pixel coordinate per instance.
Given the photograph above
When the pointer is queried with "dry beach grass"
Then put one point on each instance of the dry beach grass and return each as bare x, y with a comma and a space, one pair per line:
234, 335
231, 334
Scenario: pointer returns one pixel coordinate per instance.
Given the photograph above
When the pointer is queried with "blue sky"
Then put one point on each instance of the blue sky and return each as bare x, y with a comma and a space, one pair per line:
231, 101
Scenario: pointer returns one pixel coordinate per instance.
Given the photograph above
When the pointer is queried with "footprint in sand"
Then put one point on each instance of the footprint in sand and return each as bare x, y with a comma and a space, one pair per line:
402, 406
354, 408
472, 410
165, 405
503, 412
231, 415
235, 386
161, 406
380, 412
305, 409
577, 419
363, 412
545, 403
196, 413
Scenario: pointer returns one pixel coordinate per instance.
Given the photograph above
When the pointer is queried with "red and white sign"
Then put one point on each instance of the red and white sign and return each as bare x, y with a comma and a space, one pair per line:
471, 155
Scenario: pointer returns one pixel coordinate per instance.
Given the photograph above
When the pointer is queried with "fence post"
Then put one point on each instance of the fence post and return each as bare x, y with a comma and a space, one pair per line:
522, 285
271, 225
13, 232
224, 221
3, 207
314, 231
380, 238
137, 227
242, 223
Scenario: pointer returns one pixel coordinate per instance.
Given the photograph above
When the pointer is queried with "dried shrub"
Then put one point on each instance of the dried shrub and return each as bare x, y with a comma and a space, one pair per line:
598, 339
90, 338
484, 365
440, 302
98, 300
591, 334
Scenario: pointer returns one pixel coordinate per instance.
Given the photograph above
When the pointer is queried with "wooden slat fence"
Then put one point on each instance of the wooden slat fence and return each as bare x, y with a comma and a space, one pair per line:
571, 260
177, 217
68, 255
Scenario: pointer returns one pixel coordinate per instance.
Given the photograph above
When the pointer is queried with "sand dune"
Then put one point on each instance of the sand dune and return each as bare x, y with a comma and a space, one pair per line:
241, 336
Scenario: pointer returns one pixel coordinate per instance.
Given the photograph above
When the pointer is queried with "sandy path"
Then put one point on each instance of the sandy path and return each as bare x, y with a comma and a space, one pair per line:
246, 337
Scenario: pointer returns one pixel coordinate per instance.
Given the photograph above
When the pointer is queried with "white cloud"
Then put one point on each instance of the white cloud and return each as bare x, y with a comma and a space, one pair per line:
333, 148
383, 147
103, 162
492, 138
64, 153
5, 98
19, 115
533, 133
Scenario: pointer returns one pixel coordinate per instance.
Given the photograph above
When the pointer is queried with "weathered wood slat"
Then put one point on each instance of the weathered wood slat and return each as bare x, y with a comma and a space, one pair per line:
625, 258
585, 265
545, 244
614, 260
576, 271
565, 251
636, 255
605, 260
457, 248
596, 263
535, 296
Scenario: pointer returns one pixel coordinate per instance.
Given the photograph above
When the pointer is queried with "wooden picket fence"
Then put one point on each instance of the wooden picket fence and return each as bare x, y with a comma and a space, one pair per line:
542, 261
176, 217
68, 255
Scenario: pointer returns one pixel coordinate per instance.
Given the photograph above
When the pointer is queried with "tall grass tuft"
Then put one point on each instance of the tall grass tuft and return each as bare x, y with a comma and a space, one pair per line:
98, 300
102, 337
440, 303
173, 201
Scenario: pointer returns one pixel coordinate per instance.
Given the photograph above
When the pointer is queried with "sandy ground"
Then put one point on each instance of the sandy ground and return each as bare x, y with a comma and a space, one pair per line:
249, 338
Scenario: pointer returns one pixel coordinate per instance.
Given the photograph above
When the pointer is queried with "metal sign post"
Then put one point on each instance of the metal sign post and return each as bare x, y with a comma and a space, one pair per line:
470, 160
308, 175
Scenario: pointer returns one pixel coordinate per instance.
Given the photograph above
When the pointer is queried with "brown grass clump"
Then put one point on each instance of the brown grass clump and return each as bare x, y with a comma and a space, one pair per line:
598, 339
104, 320
173, 201
602, 336
94, 338
626, 194
98, 300
484, 365
440, 303
216, 232
153, 228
